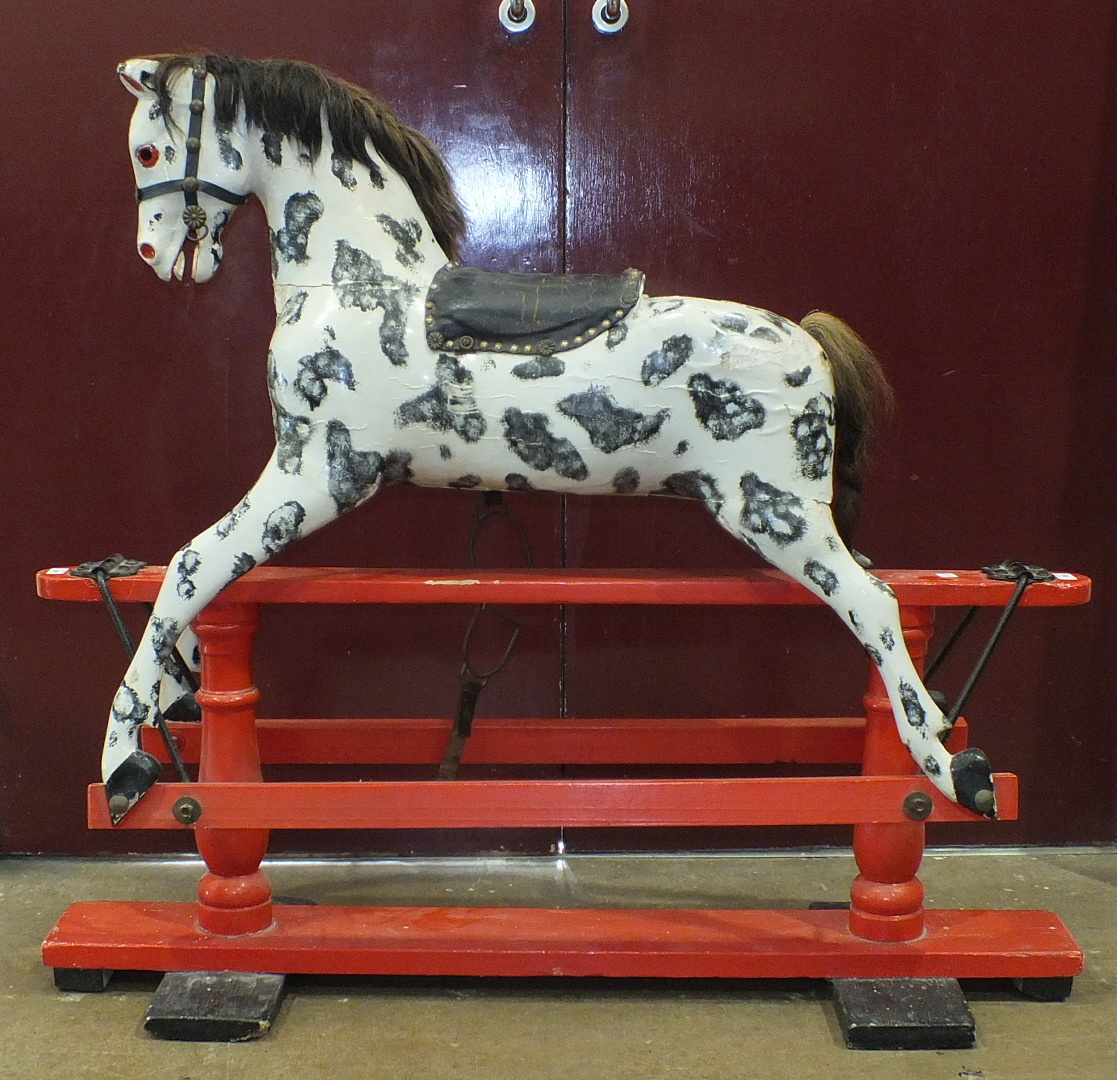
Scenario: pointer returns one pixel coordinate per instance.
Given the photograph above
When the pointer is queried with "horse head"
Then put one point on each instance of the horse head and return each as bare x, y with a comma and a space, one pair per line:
191, 172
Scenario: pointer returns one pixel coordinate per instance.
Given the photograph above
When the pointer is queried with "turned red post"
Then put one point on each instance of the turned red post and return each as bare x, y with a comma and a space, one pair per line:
234, 897
887, 896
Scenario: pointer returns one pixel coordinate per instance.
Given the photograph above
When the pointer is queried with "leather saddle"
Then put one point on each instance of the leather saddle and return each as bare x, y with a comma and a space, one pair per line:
470, 310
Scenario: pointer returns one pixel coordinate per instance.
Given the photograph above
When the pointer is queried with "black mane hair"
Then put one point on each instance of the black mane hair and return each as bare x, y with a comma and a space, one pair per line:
286, 98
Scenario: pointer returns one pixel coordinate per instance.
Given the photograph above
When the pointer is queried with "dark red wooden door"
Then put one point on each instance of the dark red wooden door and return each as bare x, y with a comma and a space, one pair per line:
940, 177
140, 409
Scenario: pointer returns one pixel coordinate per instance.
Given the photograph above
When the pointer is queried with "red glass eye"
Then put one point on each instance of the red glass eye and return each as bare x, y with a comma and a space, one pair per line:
147, 156
147, 251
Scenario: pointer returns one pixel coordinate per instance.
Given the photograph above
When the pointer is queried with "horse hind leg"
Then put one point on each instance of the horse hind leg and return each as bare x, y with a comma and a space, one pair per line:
798, 536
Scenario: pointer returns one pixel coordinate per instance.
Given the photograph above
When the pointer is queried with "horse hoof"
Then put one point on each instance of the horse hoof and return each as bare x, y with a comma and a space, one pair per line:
129, 782
973, 782
183, 711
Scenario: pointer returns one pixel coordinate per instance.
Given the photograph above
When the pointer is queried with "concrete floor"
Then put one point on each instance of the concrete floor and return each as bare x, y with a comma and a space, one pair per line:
375, 1028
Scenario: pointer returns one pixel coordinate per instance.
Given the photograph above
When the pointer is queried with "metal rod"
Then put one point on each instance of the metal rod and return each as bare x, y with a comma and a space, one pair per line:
1021, 584
955, 637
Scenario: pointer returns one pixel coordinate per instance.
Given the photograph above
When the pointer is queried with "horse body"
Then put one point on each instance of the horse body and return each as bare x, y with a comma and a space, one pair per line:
695, 398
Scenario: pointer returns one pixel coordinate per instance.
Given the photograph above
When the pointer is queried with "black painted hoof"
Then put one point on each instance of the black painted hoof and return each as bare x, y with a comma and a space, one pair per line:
183, 711
973, 782
130, 781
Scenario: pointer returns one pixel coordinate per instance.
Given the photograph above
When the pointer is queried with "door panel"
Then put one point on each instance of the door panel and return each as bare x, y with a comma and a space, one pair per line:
939, 175
142, 412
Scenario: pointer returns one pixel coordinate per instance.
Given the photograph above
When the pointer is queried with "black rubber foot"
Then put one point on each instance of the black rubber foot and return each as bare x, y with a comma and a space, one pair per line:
82, 980
214, 1006
130, 781
1050, 988
903, 1014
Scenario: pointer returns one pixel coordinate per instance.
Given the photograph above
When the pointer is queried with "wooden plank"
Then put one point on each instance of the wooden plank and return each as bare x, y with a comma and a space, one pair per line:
346, 585
327, 940
533, 804
668, 741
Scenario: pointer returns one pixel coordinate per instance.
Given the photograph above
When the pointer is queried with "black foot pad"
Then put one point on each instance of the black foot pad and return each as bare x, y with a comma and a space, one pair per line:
1046, 988
903, 1014
130, 781
82, 980
214, 1006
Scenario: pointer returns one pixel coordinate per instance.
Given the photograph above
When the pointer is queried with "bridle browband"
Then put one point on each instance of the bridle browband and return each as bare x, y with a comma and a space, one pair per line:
194, 216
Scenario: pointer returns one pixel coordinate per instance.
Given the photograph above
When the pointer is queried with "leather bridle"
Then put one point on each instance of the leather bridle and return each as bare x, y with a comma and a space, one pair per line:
194, 216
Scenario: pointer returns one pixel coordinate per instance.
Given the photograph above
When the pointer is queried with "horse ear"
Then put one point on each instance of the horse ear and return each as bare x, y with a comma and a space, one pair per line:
138, 76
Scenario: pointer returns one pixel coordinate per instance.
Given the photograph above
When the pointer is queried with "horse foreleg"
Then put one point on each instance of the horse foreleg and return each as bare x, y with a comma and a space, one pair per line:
176, 691
799, 537
278, 510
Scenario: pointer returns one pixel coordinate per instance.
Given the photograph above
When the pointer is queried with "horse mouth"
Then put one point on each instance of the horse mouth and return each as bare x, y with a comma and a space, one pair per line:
186, 267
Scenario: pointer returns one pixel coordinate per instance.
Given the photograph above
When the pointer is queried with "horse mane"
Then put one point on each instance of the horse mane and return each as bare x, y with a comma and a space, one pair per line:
287, 98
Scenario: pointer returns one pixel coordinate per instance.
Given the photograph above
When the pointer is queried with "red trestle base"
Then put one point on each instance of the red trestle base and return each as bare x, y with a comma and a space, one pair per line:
141, 936
236, 926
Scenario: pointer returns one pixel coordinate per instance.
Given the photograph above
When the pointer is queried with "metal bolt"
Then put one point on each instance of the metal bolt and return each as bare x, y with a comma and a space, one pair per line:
918, 806
187, 810
984, 801
118, 805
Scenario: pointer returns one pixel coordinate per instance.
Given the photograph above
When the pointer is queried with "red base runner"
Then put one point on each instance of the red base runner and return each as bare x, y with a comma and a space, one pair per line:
584, 942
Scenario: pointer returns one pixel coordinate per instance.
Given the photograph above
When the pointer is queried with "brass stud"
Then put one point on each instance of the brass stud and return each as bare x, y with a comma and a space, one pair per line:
591, 331
449, 344
430, 320
918, 806
578, 339
565, 345
187, 810
498, 346
619, 313
606, 323
430, 303
484, 344
513, 348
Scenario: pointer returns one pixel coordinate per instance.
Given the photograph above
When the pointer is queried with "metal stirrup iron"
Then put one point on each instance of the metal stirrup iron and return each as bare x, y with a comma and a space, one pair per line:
472, 680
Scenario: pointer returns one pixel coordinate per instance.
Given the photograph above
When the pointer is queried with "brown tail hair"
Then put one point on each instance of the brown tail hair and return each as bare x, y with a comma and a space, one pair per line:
861, 397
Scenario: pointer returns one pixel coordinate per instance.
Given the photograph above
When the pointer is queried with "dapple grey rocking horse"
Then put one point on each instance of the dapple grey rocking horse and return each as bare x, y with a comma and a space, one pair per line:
390, 363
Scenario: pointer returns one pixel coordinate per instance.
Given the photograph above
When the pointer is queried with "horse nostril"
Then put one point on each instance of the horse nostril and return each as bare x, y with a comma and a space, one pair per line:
147, 251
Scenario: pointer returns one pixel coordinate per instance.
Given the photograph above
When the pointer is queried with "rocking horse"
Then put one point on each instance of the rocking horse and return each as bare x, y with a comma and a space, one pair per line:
390, 363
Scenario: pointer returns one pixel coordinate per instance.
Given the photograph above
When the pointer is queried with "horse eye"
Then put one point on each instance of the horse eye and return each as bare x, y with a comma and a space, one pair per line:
147, 155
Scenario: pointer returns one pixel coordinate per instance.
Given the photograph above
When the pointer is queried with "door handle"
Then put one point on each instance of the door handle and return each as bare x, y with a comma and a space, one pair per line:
609, 16
516, 16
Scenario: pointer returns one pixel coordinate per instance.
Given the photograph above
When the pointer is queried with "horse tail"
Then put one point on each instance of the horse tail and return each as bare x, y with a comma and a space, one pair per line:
861, 397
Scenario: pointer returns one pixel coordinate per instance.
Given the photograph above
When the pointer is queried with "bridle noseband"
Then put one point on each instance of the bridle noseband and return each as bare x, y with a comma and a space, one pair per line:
194, 216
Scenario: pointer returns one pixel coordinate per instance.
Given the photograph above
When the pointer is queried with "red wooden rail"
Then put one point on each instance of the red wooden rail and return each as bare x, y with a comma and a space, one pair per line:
344, 585
535, 804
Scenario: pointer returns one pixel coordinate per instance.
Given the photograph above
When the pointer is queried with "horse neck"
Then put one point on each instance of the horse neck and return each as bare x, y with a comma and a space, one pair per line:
314, 215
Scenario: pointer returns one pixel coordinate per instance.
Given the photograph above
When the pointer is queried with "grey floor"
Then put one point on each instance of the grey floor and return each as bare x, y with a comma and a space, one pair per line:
542, 1029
